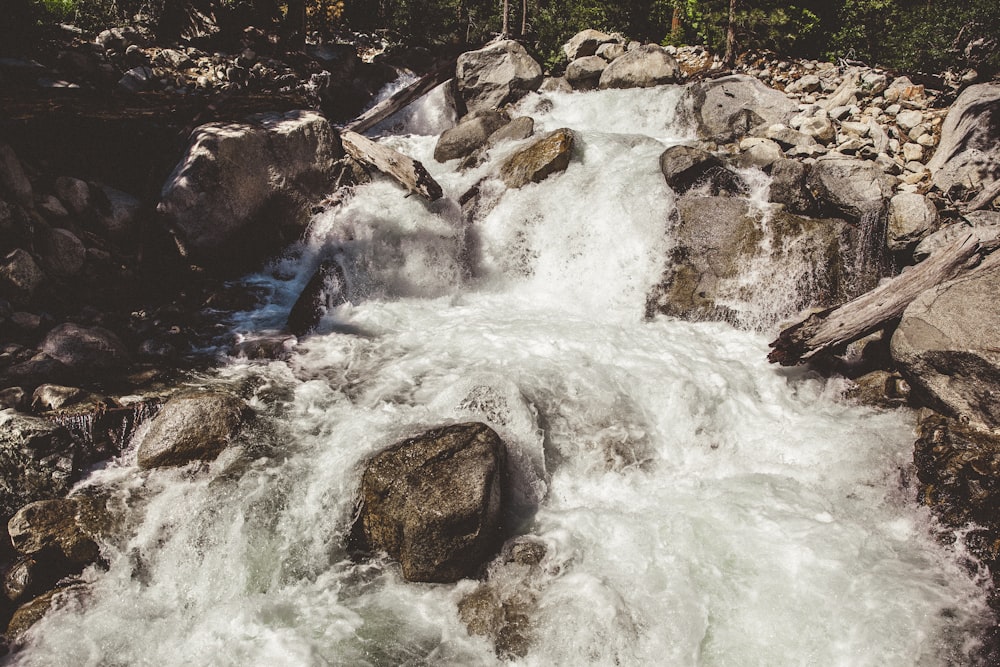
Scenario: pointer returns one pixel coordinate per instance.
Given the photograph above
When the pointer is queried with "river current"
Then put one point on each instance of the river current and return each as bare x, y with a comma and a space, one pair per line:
699, 507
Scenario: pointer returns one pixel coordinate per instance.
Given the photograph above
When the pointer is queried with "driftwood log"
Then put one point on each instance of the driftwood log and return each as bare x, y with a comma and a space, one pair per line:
401, 168
403, 97
835, 327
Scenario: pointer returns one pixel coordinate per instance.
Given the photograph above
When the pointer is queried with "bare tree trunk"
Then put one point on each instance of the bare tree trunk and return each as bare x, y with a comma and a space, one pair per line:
675, 23
524, 18
729, 59
506, 19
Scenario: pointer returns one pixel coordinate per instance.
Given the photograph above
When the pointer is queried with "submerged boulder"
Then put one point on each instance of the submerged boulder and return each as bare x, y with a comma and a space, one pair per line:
325, 290
496, 75
241, 186
946, 347
716, 238
728, 108
191, 426
435, 502
647, 66
546, 155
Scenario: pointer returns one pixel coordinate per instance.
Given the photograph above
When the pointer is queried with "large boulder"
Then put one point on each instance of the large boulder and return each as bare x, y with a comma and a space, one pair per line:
85, 350
686, 167
945, 346
585, 73
647, 66
470, 134
240, 186
585, 43
911, 218
39, 460
63, 253
543, 157
968, 155
849, 187
728, 108
716, 238
49, 530
435, 502
191, 426
496, 75
788, 186
20, 276
117, 212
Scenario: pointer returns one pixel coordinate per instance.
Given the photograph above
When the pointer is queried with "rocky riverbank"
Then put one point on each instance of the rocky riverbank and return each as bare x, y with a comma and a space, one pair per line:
109, 297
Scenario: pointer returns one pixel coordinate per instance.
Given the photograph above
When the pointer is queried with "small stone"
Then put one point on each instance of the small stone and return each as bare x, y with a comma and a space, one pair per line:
73, 193
907, 120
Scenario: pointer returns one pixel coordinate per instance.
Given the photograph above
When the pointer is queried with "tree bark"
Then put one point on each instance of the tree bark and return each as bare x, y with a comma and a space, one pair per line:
835, 327
524, 18
506, 19
729, 59
402, 98
401, 168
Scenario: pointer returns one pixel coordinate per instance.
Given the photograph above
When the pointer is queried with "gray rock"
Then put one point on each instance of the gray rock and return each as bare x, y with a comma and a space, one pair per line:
585, 43
546, 155
611, 51
62, 252
717, 237
788, 186
911, 218
984, 226
557, 84
759, 152
191, 426
788, 138
470, 134
236, 180
945, 346
584, 73
49, 528
649, 65
496, 75
117, 212
55, 396
728, 108
325, 290
86, 350
52, 208
435, 502
520, 128
38, 461
686, 167
968, 156
818, 128
809, 83
907, 120
13, 180
174, 59
138, 79
853, 188
73, 193
20, 277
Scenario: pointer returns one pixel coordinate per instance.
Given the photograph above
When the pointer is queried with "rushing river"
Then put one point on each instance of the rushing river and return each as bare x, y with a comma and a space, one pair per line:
698, 506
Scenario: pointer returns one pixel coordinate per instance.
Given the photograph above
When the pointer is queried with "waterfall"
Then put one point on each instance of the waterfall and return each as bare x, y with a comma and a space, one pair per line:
697, 506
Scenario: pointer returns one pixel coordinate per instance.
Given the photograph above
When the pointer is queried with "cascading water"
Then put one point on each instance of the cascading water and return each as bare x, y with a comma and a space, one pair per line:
698, 506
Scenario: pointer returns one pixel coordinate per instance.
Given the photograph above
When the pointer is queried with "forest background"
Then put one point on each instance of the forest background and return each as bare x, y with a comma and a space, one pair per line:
907, 35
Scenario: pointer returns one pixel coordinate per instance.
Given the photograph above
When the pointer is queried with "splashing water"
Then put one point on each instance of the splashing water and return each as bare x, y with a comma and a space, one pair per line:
698, 506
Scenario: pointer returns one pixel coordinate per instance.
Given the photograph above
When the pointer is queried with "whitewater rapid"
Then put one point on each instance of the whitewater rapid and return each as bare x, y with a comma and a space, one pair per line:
698, 505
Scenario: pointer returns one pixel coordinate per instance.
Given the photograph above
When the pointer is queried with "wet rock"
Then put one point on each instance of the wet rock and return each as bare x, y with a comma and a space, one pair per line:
88, 351
191, 426
968, 156
911, 218
649, 65
20, 277
435, 502
717, 237
38, 461
585, 73
520, 128
852, 188
73, 193
470, 134
879, 388
546, 155
728, 108
327, 289
63, 252
48, 530
13, 180
30, 613
788, 186
945, 346
686, 167
585, 43
500, 608
499, 74
240, 186
56, 396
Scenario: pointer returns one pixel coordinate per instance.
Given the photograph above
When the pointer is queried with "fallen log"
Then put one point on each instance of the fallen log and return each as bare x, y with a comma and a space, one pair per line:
835, 327
401, 168
402, 98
